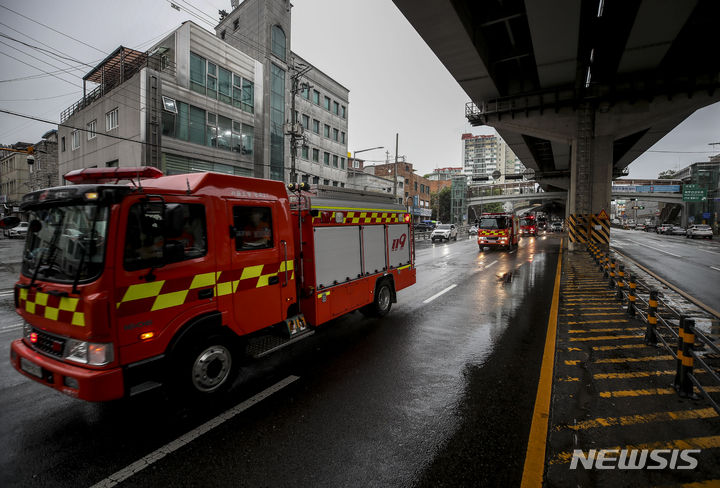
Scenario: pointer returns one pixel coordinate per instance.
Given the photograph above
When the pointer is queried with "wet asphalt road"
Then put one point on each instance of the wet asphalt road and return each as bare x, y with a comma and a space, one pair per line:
438, 393
693, 265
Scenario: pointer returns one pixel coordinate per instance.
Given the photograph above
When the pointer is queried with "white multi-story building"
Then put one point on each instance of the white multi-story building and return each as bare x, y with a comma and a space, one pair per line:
203, 102
485, 154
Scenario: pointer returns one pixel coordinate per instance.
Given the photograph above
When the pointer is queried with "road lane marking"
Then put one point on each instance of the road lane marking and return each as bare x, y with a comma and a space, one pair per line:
486, 267
585, 331
633, 360
623, 346
648, 392
715, 268
702, 413
604, 338
439, 294
139, 465
11, 327
673, 287
534, 466
656, 249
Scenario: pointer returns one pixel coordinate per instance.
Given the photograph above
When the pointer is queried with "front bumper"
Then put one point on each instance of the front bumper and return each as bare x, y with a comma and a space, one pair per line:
86, 384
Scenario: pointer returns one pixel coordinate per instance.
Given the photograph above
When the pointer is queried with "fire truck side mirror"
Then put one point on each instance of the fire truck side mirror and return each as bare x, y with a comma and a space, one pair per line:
9, 222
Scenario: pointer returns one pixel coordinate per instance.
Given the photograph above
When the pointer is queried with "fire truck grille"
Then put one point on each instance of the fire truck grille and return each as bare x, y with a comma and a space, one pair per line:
50, 345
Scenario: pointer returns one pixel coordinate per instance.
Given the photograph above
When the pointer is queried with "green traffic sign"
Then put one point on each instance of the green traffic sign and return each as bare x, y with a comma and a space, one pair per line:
693, 193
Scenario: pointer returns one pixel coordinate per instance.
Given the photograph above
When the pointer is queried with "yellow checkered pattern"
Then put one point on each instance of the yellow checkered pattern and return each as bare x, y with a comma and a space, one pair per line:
176, 298
498, 232
353, 217
44, 305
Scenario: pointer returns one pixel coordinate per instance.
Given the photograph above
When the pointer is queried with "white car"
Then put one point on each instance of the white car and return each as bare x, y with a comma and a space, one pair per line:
473, 230
699, 230
20, 230
444, 232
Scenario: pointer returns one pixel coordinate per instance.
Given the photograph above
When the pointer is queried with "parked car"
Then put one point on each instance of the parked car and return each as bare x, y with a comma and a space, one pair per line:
663, 228
677, 231
556, 227
473, 230
444, 231
650, 227
640, 227
422, 227
699, 230
20, 230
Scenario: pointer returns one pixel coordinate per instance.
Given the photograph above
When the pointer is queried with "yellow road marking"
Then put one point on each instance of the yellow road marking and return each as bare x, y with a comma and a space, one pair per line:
623, 346
535, 454
702, 484
592, 313
572, 362
568, 379
703, 413
611, 321
643, 374
707, 442
574, 349
582, 331
648, 392
635, 360
604, 338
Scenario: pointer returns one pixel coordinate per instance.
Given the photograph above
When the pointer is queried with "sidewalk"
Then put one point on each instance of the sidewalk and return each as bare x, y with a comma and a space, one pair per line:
611, 391
10, 259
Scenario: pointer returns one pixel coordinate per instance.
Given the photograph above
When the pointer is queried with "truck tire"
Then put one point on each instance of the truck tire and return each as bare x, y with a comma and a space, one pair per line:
382, 302
204, 368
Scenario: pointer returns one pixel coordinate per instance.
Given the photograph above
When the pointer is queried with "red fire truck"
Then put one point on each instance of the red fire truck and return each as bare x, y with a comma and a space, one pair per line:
498, 230
528, 226
179, 279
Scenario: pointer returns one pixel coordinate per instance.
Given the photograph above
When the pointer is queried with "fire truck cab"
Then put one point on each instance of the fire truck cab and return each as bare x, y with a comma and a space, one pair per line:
498, 230
179, 279
528, 226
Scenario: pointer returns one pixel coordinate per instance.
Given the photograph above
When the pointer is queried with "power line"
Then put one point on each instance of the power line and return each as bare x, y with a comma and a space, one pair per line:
42, 49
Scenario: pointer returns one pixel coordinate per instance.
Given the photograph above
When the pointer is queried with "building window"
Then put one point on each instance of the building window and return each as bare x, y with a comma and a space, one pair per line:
326, 158
278, 42
316, 97
326, 103
236, 24
342, 111
248, 137
62, 143
304, 152
356, 164
316, 156
342, 163
336, 108
336, 134
111, 119
197, 73
305, 122
211, 80
326, 131
335, 161
222, 35
342, 137
92, 129
248, 96
305, 91
75, 139
305, 178
224, 85
112, 164
316, 180
316, 126
326, 182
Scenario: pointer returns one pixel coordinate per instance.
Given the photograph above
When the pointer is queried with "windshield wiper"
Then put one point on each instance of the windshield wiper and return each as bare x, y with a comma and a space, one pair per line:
52, 249
84, 251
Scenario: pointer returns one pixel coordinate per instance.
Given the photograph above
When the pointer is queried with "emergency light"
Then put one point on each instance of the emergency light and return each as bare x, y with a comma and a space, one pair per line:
104, 175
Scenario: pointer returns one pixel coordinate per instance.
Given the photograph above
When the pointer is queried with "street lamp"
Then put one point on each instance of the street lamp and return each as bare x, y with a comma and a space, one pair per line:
368, 149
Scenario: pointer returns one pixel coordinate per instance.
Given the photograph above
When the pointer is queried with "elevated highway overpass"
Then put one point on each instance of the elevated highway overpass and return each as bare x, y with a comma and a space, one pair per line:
578, 88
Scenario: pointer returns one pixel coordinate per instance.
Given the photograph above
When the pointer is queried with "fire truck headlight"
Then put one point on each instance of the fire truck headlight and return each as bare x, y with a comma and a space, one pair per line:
88, 352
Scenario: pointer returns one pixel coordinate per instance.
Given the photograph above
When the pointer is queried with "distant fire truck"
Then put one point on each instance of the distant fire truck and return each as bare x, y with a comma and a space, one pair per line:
498, 230
179, 279
528, 226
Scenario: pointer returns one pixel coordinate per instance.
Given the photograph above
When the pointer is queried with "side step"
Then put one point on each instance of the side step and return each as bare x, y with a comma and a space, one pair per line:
297, 330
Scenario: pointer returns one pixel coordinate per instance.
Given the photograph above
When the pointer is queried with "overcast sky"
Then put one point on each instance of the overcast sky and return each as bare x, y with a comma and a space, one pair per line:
396, 83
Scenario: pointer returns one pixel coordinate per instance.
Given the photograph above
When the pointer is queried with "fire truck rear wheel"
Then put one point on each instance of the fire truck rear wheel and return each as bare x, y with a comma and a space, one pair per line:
381, 304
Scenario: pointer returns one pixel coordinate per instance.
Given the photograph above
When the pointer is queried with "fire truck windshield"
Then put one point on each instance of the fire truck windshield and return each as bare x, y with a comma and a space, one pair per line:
494, 223
65, 243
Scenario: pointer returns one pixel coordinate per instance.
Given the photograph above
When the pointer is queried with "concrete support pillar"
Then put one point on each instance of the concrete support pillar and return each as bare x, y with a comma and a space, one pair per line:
590, 169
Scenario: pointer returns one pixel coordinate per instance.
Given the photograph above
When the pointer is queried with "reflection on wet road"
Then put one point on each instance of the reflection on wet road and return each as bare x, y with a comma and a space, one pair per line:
439, 390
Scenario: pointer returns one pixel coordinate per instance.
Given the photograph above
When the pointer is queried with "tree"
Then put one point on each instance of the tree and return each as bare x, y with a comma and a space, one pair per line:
440, 204
666, 175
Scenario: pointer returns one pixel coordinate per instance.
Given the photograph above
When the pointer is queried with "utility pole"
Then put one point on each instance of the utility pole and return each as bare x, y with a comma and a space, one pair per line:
295, 130
395, 167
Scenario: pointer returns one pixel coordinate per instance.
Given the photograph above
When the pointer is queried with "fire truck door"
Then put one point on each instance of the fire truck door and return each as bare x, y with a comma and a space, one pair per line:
258, 264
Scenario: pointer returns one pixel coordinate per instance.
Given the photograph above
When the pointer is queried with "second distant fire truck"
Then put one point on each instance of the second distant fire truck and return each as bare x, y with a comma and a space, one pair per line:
528, 226
497, 230
179, 279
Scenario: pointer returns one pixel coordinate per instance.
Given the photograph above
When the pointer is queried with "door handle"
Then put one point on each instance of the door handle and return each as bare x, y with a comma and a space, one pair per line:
273, 280
205, 293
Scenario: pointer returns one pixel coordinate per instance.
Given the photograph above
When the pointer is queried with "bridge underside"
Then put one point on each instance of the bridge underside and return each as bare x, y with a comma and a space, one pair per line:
577, 88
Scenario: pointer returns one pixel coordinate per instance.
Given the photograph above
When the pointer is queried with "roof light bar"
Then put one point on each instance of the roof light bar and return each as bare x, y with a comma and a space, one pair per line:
104, 175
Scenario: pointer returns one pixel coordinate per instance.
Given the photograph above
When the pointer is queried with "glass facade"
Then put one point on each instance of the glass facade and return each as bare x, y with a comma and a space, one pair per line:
277, 119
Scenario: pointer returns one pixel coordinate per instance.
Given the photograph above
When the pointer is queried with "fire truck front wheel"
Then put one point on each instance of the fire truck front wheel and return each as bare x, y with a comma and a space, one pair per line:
206, 367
